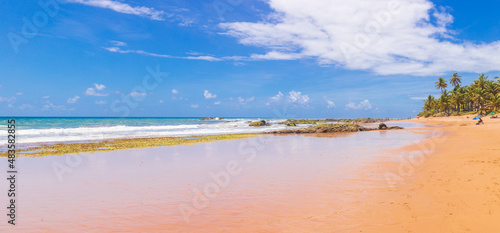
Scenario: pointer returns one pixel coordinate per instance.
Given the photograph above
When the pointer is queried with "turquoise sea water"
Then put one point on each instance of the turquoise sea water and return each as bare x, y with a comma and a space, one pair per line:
66, 129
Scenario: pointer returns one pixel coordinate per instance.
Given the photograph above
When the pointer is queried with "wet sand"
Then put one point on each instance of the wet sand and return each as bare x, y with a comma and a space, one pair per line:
276, 184
441, 178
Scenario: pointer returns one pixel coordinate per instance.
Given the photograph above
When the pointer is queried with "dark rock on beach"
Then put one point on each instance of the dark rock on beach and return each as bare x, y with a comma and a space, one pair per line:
331, 128
259, 123
211, 119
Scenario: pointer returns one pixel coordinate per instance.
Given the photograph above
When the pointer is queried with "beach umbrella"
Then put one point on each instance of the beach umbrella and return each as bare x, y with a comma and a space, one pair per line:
476, 118
492, 113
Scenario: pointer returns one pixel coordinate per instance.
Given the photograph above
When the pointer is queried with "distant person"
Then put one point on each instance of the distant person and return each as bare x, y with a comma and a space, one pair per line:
480, 121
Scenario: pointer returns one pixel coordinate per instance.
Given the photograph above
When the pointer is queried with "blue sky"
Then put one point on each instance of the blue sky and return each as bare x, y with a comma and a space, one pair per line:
275, 58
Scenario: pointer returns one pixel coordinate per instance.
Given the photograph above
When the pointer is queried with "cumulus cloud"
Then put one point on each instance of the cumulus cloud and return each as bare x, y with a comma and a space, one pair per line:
46, 97
101, 102
209, 95
329, 103
161, 101
50, 106
297, 97
275, 99
73, 100
142, 11
363, 105
385, 37
194, 106
19, 93
174, 91
217, 103
247, 100
93, 91
294, 97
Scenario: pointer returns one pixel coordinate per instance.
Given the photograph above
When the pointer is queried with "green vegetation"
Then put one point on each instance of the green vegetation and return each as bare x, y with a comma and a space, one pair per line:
482, 96
259, 123
120, 144
331, 128
302, 121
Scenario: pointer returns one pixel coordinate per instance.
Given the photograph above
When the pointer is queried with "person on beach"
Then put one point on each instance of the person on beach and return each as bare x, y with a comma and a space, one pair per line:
480, 121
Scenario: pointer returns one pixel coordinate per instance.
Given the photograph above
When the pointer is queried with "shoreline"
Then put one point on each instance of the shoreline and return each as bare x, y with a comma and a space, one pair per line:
69, 148
72, 148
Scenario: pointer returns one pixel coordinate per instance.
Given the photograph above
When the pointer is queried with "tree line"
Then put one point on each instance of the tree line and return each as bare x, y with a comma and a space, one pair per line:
482, 96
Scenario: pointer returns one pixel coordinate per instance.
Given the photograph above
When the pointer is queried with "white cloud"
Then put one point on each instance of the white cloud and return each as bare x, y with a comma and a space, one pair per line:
209, 95
217, 103
141, 52
178, 98
46, 97
118, 43
418, 98
175, 91
145, 12
19, 93
276, 98
137, 94
247, 100
161, 101
50, 106
329, 103
385, 37
363, 105
99, 87
26, 107
73, 100
8, 100
297, 97
194, 106
100, 102
294, 97
92, 91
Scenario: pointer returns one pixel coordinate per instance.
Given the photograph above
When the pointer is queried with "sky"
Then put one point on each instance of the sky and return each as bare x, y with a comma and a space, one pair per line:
236, 58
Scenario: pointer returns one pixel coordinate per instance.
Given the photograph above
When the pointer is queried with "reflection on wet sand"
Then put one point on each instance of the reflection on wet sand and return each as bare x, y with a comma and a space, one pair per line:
270, 183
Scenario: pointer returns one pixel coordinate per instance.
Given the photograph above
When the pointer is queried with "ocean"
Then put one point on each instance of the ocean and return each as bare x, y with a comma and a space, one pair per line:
34, 130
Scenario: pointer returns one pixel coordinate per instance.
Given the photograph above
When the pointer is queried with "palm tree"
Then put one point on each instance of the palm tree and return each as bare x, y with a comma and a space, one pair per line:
479, 98
441, 84
494, 103
457, 99
455, 80
481, 81
481, 95
429, 103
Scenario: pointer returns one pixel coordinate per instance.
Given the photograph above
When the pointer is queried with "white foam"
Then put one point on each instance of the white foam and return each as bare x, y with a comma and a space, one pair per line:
52, 135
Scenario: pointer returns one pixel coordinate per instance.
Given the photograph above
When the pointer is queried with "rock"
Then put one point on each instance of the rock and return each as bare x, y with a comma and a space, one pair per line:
332, 128
211, 119
259, 123
291, 124
382, 126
